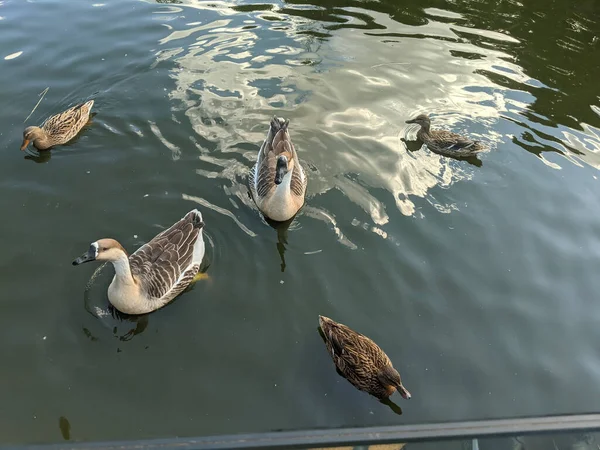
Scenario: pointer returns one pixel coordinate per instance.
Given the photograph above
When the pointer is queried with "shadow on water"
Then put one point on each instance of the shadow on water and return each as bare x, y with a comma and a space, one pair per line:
39, 157
65, 428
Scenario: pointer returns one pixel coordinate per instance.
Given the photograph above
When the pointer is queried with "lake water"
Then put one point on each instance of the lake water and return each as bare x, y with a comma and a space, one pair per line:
479, 279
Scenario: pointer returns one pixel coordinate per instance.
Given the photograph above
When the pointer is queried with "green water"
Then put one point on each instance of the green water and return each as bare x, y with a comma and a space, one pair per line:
479, 279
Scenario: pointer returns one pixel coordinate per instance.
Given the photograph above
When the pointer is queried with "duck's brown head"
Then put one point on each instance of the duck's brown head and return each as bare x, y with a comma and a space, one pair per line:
102, 250
421, 119
390, 378
30, 134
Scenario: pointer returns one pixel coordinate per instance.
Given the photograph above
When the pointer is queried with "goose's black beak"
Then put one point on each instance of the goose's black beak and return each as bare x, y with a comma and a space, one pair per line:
411, 121
88, 256
281, 169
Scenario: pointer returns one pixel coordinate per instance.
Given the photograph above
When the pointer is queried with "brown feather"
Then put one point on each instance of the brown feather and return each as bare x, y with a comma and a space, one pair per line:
61, 128
445, 142
360, 360
164, 265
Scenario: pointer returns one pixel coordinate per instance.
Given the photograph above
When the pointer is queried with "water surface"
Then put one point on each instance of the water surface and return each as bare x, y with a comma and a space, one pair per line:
478, 278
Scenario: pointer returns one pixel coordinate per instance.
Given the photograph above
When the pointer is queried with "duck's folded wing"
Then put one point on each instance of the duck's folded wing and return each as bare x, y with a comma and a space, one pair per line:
452, 141
67, 120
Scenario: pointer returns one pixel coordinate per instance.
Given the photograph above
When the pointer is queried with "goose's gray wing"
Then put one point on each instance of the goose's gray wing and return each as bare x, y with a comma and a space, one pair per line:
160, 263
299, 180
265, 175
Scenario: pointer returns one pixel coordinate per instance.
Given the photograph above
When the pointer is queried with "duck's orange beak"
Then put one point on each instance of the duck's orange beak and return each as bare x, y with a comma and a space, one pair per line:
25, 144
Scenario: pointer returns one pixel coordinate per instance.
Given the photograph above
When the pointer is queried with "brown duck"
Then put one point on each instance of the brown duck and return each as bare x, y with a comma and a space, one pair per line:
58, 129
361, 361
445, 142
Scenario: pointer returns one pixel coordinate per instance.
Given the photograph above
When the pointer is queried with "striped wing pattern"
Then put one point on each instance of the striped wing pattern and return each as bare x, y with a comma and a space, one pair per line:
298, 184
183, 282
164, 265
262, 177
449, 140
452, 144
63, 127
266, 175
357, 357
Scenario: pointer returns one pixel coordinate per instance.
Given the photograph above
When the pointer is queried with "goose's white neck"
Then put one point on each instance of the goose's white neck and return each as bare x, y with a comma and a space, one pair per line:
122, 269
282, 192
284, 186
124, 292
280, 206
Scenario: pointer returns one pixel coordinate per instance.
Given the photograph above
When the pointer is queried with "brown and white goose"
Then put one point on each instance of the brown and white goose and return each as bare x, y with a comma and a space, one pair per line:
158, 271
277, 181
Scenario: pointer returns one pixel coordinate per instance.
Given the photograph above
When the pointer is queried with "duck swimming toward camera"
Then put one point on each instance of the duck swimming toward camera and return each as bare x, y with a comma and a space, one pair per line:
58, 129
158, 271
445, 142
278, 181
361, 361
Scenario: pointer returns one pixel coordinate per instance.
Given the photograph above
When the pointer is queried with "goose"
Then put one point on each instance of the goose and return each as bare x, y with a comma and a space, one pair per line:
361, 361
158, 271
445, 142
277, 181
58, 129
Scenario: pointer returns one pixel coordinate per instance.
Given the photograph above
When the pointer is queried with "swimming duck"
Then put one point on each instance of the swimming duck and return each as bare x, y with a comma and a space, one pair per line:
277, 181
58, 129
445, 142
158, 271
361, 361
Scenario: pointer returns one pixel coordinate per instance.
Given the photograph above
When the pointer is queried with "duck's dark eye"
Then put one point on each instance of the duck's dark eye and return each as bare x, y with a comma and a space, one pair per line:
104, 249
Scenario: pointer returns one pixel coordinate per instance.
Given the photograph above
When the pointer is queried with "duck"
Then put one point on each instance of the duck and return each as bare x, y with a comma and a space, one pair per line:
158, 271
277, 180
445, 142
58, 129
361, 361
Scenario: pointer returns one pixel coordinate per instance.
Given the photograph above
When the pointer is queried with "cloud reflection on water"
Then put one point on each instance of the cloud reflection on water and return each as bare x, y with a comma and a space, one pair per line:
347, 99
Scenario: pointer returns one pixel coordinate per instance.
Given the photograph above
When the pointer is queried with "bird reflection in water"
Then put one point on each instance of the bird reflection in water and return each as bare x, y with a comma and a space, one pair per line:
133, 324
39, 157
282, 237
